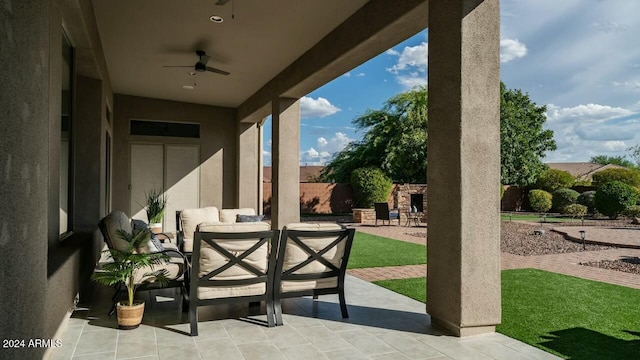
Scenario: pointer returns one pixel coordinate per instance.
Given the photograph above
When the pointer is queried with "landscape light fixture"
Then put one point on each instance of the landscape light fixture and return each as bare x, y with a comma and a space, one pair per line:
582, 236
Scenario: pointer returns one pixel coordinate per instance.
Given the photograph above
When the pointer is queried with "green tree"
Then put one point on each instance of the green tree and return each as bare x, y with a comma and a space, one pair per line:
614, 197
628, 176
523, 140
395, 141
540, 200
370, 185
635, 154
554, 179
616, 160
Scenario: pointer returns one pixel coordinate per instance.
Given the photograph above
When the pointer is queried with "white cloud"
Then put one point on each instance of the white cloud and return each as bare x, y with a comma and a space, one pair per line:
347, 74
627, 84
511, 49
319, 107
587, 130
412, 80
266, 157
585, 113
325, 149
361, 74
610, 27
412, 58
314, 157
411, 68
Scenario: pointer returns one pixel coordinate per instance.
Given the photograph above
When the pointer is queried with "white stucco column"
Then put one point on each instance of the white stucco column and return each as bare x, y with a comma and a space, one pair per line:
463, 245
249, 154
285, 162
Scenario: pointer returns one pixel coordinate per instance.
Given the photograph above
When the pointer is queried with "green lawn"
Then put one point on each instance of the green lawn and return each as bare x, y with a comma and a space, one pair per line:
570, 317
375, 251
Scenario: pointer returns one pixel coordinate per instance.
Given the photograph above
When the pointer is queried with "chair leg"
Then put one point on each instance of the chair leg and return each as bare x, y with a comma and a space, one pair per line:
277, 306
193, 319
343, 305
185, 300
270, 314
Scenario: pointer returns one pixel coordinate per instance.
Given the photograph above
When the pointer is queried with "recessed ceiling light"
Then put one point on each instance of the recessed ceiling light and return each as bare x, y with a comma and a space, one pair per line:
188, 87
216, 18
192, 73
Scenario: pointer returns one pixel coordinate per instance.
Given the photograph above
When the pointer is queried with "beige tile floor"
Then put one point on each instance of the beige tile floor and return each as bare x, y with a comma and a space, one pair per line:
382, 325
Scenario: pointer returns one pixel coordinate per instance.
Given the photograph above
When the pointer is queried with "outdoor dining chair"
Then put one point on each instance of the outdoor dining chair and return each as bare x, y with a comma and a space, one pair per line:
312, 260
232, 263
384, 214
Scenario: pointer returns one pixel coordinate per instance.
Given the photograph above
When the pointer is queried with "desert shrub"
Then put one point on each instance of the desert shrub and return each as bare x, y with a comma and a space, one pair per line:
628, 176
587, 199
553, 179
564, 197
632, 211
575, 210
540, 200
369, 185
614, 197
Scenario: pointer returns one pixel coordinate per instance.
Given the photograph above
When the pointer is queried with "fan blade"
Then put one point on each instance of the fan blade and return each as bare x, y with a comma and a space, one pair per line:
180, 66
222, 2
204, 59
217, 71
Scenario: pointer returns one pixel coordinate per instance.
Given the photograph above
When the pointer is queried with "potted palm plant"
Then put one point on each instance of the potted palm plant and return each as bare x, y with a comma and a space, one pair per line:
156, 202
124, 270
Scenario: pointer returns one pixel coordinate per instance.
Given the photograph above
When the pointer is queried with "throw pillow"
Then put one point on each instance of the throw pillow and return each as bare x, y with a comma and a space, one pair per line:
249, 218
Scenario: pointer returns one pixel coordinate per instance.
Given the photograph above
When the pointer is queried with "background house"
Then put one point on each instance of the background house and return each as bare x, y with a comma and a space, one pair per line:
583, 170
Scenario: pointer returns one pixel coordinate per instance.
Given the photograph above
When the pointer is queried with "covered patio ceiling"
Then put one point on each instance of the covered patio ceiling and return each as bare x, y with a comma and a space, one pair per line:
282, 47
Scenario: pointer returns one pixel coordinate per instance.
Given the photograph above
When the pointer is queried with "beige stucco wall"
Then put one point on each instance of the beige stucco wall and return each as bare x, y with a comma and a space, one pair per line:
218, 146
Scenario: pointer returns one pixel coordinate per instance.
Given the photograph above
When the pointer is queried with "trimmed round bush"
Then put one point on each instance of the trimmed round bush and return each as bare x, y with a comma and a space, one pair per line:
369, 185
553, 179
564, 197
614, 197
587, 199
575, 210
540, 200
627, 176
501, 191
632, 211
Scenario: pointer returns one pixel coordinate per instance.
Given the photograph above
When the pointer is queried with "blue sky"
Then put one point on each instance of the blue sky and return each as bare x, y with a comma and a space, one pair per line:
580, 58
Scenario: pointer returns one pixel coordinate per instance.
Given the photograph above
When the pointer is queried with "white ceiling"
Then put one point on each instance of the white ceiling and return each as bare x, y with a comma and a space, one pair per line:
266, 36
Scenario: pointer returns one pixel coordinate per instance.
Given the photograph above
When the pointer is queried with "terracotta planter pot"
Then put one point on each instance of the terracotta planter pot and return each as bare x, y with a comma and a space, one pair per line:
156, 228
130, 317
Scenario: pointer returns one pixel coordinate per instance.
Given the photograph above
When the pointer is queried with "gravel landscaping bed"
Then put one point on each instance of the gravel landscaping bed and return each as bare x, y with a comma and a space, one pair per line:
519, 239
629, 265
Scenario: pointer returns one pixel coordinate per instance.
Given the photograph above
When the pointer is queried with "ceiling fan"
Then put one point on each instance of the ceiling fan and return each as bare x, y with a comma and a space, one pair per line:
201, 65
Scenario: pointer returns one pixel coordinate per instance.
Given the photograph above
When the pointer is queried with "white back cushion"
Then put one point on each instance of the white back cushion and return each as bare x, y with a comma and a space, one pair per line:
294, 255
191, 218
229, 215
211, 259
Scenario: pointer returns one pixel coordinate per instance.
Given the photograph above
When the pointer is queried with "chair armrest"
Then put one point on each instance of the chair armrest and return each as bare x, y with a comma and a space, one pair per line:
169, 252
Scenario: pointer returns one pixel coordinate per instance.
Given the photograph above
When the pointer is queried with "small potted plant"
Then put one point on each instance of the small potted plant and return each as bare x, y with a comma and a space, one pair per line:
124, 269
156, 202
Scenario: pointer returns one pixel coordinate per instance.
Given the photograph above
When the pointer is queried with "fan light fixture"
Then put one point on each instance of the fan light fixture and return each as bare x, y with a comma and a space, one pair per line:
216, 19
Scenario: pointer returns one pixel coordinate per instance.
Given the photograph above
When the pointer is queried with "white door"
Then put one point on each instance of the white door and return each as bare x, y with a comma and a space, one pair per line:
182, 181
172, 168
147, 172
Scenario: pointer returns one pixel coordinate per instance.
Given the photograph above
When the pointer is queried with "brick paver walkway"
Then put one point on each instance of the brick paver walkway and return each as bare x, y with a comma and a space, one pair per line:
566, 264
